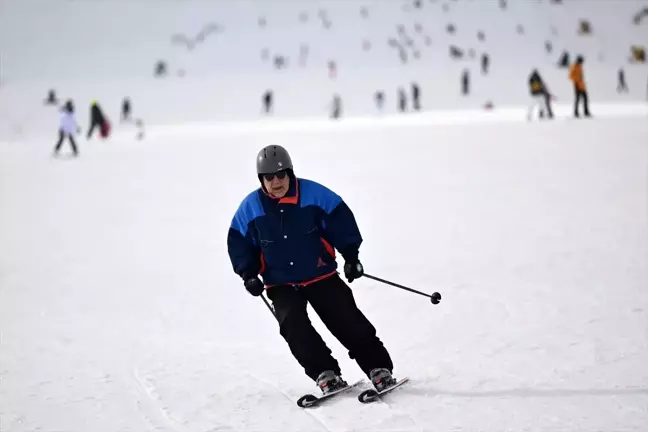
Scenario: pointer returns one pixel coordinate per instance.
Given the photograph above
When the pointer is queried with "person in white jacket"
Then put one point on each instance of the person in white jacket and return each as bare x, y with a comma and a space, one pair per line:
67, 128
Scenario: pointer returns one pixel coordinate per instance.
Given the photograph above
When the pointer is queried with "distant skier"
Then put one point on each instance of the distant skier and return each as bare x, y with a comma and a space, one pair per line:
465, 82
540, 95
51, 98
563, 61
485, 64
580, 91
126, 110
622, 87
287, 232
336, 107
67, 128
402, 100
267, 101
416, 97
379, 99
98, 120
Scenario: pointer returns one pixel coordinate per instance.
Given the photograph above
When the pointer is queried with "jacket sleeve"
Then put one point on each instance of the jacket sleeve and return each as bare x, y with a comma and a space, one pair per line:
342, 229
337, 220
244, 251
245, 256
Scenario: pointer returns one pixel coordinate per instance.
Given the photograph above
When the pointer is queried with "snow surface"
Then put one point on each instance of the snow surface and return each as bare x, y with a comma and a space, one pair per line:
119, 310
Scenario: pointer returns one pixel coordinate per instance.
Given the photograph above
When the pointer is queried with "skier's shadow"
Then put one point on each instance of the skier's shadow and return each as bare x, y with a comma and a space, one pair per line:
528, 392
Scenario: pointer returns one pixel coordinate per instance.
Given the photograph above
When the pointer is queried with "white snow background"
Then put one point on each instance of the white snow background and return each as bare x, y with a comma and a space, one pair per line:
119, 310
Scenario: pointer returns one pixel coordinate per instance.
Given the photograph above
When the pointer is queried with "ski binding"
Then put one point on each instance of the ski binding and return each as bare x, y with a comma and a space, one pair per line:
372, 395
311, 400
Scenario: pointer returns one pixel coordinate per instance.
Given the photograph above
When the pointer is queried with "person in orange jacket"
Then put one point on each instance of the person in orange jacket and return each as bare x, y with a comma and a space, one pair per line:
576, 76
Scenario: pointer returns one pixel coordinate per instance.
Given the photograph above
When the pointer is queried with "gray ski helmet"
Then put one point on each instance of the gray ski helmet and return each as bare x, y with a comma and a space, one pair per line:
273, 158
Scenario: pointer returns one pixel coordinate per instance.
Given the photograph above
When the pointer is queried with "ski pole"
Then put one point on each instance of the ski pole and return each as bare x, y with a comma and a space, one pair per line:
269, 307
435, 298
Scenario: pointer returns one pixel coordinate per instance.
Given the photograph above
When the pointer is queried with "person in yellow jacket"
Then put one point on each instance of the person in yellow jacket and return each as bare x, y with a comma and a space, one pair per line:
541, 98
576, 76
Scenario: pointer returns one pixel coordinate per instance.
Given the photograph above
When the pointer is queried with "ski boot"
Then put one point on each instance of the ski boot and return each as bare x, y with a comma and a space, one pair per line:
328, 381
381, 379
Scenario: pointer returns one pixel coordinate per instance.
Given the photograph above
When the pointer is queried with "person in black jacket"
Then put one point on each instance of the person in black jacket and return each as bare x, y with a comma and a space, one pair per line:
126, 110
540, 95
379, 99
267, 101
287, 232
402, 100
97, 118
416, 97
622, 86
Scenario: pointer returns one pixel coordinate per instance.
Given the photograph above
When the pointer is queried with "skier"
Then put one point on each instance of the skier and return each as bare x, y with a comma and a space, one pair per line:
126, 110
51, 98
416, 97
287, 232
379, 99
267, 101
622, 87
541, 96
402, 100
465, 82
336, 107
97, 119
485, 64
580, 91
68, 127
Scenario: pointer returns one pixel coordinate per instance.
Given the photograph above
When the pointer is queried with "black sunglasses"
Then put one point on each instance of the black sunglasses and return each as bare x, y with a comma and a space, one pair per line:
280, 175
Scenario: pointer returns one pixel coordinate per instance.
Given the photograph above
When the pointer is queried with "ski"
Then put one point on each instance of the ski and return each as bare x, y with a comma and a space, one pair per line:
369, 396
310, 400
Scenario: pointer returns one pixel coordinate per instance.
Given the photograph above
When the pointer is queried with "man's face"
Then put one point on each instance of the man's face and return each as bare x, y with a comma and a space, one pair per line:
278, 184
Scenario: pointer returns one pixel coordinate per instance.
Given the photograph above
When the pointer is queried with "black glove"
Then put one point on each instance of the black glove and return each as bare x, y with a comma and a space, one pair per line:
353, 270
254, 286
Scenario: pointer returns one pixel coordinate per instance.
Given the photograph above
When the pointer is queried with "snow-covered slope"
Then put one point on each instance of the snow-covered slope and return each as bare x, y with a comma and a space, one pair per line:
106, 50
119, 310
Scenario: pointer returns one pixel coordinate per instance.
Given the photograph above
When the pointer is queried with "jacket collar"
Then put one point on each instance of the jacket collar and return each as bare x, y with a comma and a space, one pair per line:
291, 197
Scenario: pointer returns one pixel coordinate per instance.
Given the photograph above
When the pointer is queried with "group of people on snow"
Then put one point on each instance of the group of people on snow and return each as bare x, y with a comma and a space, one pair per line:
542, 97
68, 125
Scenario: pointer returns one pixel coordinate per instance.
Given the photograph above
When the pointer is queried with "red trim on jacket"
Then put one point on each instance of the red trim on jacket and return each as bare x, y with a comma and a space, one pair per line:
308, 282
263, 264
328, 247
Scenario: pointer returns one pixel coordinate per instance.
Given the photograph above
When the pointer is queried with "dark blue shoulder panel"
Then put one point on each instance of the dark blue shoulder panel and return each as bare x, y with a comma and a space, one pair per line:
250, 209
312, 193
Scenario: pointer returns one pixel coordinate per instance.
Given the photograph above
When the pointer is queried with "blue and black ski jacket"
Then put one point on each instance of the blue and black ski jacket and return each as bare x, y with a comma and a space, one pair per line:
292, 240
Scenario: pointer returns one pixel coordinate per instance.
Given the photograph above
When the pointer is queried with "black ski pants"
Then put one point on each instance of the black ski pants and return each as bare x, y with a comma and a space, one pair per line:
333, 301
59, 143
581, 95
547, 97
94, 124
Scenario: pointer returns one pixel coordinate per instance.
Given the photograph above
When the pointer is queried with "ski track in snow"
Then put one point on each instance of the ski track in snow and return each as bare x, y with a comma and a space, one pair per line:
168, 422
